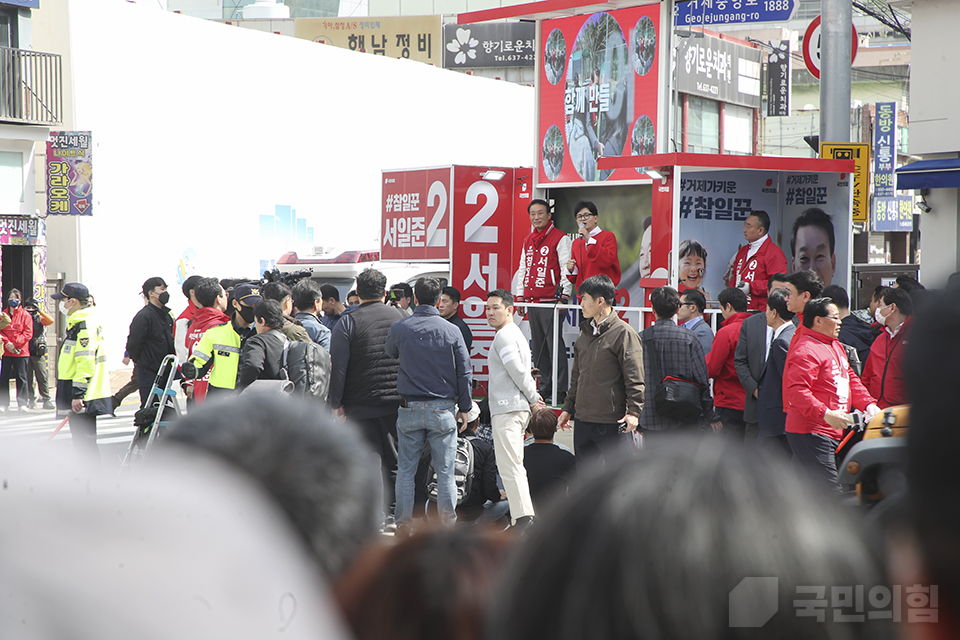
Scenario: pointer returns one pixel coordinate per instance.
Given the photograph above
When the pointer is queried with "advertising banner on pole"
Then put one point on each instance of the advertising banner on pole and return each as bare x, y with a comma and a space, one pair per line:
885, 150
598, 94
493, 44
892, 214
487, 251
70, 173
415, 224
778, 80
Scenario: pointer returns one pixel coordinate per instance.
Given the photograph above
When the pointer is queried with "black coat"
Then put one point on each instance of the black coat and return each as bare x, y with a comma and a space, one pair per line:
151, 337
770, 414
262, 357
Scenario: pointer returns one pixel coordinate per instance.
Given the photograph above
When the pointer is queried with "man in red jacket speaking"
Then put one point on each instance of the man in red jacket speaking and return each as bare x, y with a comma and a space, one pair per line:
757, 260
595, 251
819, 389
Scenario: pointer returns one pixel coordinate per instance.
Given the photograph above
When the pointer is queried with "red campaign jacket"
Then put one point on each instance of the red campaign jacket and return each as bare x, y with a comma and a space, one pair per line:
541, 269
600, 257
883, 374
727, 390
813, 377
203, 319
18, 332
768, 260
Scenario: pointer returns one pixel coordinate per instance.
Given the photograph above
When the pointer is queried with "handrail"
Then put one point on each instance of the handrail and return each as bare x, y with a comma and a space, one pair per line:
31, 87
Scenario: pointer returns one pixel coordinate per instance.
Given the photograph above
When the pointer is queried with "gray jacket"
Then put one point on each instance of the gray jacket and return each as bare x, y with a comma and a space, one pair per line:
512, 387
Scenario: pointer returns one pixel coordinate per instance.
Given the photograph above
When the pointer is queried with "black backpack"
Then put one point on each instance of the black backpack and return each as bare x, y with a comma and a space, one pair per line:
38, 343
307, 366
463, 471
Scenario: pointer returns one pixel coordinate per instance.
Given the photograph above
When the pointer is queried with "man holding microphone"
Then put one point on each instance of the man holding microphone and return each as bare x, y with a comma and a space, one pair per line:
594, 252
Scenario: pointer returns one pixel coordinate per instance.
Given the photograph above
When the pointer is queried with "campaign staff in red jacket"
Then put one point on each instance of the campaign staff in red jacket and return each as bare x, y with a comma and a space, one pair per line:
883, 374
595, 251
728, 393
16, 351
756, 261
213, 301
819, 389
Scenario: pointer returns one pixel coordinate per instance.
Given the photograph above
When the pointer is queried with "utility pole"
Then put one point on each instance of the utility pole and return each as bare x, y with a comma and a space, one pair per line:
835, 49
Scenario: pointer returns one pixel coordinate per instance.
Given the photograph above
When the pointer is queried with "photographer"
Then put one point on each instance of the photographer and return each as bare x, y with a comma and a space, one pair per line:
401, 295
37, 366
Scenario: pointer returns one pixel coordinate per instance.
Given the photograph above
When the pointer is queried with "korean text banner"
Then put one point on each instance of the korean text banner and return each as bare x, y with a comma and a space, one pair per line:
598, 94
816, 223
720, 70
892, 214
498, 44
70, 173
416, 215
884, 149
21, 230
413, 37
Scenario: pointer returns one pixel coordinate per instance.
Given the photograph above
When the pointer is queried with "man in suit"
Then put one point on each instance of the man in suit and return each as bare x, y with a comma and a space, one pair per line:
772, 439
750, 356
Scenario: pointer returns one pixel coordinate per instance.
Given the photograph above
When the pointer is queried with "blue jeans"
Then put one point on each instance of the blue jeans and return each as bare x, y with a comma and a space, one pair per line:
417, 423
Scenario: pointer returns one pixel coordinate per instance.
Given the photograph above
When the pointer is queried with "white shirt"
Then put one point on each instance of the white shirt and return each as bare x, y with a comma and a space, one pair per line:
773, 334
755, 246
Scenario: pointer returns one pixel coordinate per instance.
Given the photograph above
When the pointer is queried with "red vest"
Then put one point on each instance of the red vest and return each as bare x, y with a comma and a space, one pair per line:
541, 265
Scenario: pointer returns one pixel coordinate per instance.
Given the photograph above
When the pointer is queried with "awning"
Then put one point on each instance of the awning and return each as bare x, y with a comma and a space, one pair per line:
929, 174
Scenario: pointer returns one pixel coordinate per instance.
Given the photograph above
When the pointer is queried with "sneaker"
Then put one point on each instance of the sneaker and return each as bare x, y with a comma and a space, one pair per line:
521, 525
22, 408
48, 406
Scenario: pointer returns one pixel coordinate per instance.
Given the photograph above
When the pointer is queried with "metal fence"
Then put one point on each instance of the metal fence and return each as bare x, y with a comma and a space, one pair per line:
31, 87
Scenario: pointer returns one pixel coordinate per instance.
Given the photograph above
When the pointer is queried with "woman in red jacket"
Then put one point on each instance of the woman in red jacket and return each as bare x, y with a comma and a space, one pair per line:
16, 351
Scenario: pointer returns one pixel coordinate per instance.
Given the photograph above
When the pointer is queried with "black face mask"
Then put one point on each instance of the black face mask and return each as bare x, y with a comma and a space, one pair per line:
164, 297
246, 313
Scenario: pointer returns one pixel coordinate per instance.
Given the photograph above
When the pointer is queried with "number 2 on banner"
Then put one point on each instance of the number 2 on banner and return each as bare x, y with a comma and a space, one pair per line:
437, 237
474, 231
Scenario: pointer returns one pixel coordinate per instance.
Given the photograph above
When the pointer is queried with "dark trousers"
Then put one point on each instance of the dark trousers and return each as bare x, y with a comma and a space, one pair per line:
145, 380
131, 386
381, 433
543, 347
37, 368
83, 430
733, 425
597, 440
774, 447
815, 454
13, 368
752, 433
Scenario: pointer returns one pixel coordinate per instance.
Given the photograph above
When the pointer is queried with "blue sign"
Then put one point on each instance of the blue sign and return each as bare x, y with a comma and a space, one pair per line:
892, 214
29, 4
884, 149
693, 12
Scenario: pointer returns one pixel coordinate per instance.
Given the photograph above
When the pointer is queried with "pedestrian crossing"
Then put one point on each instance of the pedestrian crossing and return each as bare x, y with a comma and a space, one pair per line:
38, 425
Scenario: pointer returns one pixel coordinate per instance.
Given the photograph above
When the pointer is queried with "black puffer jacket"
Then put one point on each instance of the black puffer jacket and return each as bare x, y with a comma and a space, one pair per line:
151, 337
363, 376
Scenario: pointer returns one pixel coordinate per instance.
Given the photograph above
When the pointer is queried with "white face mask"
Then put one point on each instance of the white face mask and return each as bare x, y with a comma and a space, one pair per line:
63, 307
878, 317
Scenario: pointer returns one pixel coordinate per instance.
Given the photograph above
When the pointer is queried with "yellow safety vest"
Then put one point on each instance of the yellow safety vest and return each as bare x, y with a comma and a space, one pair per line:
83, 356
222, 343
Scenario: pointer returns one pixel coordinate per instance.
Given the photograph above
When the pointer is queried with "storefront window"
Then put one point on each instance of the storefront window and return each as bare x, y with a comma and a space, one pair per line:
737, 130
703, 125
11, 176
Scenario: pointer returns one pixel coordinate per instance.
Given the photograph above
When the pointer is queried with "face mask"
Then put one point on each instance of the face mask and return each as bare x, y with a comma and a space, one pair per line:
878, 317
164, 297
246, 313
63, 307
13, 303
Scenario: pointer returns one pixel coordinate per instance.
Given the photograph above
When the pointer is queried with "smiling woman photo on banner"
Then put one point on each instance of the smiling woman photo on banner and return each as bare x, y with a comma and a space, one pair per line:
693, 267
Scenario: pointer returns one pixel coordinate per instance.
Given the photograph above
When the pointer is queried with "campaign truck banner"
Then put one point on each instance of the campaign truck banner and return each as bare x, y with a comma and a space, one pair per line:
489, 44
892, 214
415, 222
885, 151
488, 237
597, 94
816, 224
414, 37
720, 70
70, 173
22, 230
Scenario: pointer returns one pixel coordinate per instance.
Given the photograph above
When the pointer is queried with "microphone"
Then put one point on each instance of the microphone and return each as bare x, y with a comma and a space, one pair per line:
583, 224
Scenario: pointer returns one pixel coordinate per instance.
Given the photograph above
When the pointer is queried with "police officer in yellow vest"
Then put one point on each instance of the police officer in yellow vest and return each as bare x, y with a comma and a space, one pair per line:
83, 385
219, 349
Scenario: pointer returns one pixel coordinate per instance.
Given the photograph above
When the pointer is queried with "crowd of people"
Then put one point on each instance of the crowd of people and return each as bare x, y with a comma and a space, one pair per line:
702, 461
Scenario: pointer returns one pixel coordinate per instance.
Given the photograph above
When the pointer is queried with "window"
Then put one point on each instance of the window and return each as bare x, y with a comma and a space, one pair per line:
11, 176
703, 125
737, 130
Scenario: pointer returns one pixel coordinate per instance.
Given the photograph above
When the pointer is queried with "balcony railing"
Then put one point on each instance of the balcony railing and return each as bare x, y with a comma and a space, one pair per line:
31, 89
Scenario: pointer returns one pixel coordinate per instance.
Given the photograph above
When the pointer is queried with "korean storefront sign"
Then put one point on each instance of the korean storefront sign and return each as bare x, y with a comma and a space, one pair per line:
414, 37
778, 80
720, 70
498, 44
21, 230
70, 173
892, 214
597, 94
885, 150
